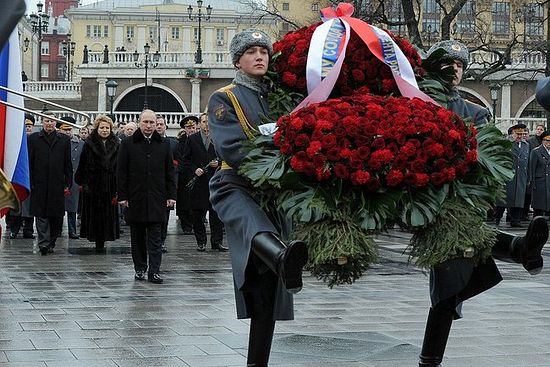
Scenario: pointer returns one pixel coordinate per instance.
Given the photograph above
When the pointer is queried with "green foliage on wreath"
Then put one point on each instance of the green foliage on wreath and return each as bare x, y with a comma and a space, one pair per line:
457, 232
340, 251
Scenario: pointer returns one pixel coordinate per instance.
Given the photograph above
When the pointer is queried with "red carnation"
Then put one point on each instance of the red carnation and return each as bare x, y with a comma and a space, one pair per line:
394, 177
341, 171
471, 156
360, 177
313, 148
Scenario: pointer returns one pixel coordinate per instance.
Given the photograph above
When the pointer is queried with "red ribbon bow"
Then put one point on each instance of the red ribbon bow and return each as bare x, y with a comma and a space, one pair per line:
342, 10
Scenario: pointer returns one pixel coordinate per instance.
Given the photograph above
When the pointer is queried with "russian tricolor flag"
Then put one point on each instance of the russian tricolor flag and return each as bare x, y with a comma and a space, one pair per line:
14, 159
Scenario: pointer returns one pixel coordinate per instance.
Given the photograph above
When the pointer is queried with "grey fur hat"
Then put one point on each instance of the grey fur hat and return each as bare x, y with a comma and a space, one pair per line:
455, 49
248, 38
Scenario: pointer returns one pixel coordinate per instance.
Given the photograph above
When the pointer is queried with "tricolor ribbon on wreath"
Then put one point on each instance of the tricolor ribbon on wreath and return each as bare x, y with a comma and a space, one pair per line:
328, 50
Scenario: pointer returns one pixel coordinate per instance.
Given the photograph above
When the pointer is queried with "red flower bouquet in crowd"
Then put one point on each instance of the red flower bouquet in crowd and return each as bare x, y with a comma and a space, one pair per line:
361, 69
375, 141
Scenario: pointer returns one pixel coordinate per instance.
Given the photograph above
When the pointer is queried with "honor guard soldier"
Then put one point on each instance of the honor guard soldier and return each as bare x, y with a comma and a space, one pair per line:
266, 270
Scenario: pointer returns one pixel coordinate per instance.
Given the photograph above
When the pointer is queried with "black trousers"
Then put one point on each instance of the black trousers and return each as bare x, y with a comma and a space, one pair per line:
515, 213
146, 242
216, 226
164, 228
48, 230
27, 222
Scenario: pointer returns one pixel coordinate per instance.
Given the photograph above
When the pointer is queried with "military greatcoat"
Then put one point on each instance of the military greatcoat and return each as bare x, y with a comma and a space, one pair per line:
234, 198
515, 189
461, 278
539, 171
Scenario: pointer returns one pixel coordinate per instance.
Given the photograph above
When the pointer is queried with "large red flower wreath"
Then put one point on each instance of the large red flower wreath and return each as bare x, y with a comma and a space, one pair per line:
360, 70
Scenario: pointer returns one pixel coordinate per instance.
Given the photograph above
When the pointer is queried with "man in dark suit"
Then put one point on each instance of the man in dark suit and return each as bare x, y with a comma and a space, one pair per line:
201, 161
146, 186
183, 208
51, 174
161, 129
71, 200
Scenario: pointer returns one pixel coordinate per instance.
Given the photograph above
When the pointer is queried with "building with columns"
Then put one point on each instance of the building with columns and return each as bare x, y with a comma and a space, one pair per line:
129, 39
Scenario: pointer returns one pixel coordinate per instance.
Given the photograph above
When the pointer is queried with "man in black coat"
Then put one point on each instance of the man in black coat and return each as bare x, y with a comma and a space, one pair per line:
146, 186
51, 174
183, 208
200, 161
161, 129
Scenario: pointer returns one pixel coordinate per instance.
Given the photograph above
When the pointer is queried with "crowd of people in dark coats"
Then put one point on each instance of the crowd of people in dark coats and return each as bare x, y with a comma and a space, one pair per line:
107, 178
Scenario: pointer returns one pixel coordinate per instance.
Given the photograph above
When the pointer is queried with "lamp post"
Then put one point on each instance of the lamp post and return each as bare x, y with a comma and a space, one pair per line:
147, 59
111, 91
428, 33
494, 88
68, 50
199, 16
39, 23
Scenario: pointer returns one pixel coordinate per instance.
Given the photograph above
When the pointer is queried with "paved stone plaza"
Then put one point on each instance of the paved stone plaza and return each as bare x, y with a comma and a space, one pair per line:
77, 308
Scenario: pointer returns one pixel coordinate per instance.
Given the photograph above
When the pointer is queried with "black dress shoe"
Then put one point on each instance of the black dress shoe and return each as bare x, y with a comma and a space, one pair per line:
155, 278
28, 235
74, 236
201, 247
140, 275
13, 235
219, 247
44, 251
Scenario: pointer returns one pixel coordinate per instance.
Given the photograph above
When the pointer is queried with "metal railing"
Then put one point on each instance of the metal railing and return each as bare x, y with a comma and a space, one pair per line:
125, 59
53, 90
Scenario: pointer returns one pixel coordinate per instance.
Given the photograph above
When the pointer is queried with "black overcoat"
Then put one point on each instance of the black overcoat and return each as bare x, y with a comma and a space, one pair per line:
145, 177
184, 197
96, 174
51, 171
195, 155
539, 171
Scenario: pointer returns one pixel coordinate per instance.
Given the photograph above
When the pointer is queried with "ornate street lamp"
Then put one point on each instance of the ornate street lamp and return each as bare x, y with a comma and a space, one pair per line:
147, 59
199, 16
494, 88
39, 23
68, 50
111, 91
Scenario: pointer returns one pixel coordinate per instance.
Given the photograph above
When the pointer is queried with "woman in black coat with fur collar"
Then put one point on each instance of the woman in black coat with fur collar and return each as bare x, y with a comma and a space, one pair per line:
96, 174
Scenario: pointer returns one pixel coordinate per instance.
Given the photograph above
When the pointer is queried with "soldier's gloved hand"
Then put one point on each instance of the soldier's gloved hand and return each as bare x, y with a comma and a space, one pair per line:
67, 192
213, 163
199, 171
170, 203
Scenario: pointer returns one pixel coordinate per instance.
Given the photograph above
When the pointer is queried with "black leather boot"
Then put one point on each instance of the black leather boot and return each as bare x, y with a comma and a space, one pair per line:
436, 335
524, 250
259, 342
286, 261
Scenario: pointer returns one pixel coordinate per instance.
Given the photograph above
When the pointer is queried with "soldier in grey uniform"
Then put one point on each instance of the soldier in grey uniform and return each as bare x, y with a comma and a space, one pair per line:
517, 186
539, 179
457, 280
266, 271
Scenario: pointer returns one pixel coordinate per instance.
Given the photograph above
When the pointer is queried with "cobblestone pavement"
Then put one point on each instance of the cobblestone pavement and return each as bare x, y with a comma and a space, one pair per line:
78, 308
